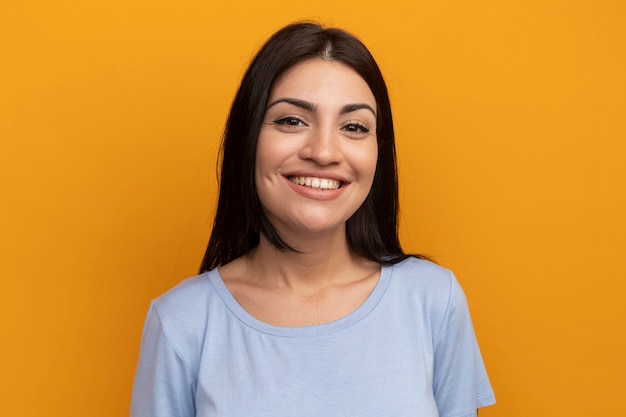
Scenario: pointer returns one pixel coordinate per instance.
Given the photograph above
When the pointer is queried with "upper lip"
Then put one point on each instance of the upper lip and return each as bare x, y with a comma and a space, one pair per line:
317, 174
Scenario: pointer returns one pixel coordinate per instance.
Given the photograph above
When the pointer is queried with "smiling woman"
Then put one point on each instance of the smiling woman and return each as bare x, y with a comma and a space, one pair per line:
240, 220
317, 150
306, 304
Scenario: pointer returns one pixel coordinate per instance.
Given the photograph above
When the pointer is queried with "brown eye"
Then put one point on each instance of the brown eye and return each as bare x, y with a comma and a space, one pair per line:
355, 128
290, 122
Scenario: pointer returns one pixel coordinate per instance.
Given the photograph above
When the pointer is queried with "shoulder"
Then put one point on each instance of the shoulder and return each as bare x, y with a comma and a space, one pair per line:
430, 288
412, 265
424, 276
184, 310
187, 297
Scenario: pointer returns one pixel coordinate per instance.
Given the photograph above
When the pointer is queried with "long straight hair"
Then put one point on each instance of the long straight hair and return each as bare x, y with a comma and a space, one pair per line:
240, 219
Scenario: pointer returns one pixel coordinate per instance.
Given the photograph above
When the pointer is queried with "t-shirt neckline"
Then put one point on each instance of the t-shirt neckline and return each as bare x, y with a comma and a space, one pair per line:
357, 315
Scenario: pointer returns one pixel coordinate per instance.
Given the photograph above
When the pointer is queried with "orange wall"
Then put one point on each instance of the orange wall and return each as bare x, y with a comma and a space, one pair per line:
510, 121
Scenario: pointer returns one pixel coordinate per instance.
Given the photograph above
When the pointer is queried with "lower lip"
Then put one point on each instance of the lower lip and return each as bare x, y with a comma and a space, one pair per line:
316, 193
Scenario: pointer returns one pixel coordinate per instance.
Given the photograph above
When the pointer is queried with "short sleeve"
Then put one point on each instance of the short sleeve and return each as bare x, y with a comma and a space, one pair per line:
460, 381
163, 385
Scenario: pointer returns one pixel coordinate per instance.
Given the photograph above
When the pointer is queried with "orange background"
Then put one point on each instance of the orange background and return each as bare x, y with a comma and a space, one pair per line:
510, 124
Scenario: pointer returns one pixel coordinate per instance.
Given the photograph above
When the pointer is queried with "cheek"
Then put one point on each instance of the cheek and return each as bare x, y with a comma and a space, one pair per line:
260, 160
367, 160
261, 151
264, 159
269, 158
271, 151
374, 159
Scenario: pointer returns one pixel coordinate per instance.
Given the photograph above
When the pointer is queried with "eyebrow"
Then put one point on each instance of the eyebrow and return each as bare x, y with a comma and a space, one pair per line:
356, 106
303, 104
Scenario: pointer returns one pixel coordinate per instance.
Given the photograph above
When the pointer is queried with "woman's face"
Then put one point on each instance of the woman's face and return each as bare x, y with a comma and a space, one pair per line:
317, 148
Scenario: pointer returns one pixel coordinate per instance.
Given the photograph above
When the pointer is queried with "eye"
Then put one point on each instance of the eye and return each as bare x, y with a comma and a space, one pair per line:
290, 122
355, 127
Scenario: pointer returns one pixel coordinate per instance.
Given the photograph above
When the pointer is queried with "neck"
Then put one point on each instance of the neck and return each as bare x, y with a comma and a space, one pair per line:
318, 262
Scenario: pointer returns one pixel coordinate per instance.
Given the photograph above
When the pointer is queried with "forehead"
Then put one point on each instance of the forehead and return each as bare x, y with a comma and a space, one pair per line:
319, 80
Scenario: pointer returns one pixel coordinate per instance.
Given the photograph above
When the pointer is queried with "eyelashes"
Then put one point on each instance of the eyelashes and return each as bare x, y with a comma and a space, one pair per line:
355, 127
292, 122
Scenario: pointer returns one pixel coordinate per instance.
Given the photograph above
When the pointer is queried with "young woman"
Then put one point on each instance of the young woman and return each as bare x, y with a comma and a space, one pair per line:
306, 304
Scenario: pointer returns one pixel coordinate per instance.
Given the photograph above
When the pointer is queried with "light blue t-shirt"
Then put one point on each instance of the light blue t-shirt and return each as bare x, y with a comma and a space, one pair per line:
408, 351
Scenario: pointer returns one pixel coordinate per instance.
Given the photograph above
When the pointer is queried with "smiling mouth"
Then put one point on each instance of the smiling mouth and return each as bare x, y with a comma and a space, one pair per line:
317, 183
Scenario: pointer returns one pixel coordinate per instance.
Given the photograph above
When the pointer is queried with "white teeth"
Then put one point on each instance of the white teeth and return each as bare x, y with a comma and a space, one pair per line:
319, 183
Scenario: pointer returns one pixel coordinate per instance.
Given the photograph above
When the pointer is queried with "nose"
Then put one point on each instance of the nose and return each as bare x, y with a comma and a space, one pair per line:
322, 145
